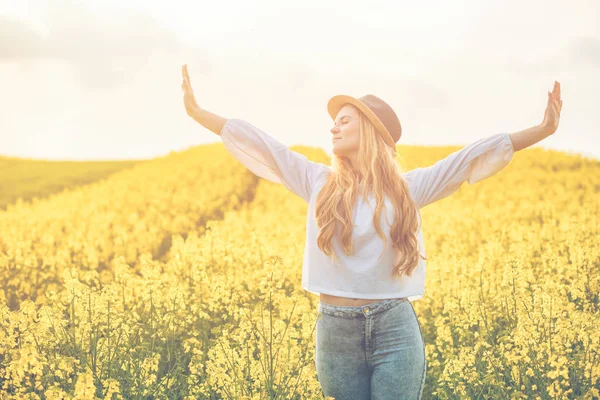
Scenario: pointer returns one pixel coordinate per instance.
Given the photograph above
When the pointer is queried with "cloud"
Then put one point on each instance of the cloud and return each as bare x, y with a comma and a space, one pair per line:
299, 75
18, 41
578, 51
585, 49
423, 94
103, 50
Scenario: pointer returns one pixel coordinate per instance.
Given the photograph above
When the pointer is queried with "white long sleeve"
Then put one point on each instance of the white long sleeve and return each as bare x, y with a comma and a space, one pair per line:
477, 161
270, 159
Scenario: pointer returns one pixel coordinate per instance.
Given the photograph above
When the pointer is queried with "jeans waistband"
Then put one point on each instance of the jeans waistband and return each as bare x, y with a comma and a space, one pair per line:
355, 311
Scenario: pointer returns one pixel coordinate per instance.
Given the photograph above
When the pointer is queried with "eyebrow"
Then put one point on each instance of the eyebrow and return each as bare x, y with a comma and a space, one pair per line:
344, 116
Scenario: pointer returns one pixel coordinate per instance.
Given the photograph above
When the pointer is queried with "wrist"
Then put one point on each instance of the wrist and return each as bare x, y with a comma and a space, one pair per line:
196, 113
546, 129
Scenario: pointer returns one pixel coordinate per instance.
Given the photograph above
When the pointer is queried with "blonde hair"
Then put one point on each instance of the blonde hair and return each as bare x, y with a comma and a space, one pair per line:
381, 173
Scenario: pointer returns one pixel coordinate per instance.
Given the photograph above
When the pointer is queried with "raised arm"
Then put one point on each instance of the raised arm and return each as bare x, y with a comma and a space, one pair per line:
270, 159
210, 121
261, 153
475, 162
482, 158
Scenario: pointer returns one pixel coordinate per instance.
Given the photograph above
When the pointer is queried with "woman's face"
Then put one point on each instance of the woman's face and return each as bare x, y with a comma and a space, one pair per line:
345, 132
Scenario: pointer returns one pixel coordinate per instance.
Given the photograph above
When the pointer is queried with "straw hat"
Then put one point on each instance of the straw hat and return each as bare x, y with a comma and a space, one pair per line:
378, 111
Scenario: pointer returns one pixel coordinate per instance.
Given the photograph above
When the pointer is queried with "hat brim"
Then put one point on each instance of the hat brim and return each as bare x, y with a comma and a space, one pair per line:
337, 102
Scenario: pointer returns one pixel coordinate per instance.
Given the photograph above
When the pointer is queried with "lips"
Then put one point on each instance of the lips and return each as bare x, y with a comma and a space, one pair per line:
334, 139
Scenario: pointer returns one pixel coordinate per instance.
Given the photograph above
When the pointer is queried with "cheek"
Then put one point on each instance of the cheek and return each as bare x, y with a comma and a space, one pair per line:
353, 138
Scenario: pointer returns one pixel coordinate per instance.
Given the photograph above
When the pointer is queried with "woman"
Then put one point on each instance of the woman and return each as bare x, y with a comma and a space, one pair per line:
368, 338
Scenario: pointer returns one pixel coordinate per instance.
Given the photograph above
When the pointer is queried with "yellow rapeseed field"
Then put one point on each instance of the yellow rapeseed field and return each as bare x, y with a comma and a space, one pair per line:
27, 178
180, 278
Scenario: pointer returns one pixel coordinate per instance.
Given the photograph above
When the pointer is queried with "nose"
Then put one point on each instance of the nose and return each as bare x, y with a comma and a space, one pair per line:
334, 130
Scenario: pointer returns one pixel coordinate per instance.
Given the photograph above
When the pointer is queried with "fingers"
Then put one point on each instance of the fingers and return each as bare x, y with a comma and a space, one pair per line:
185, 73
554, 104
554, 96
186, 85
557, 96
556, 90
183, 77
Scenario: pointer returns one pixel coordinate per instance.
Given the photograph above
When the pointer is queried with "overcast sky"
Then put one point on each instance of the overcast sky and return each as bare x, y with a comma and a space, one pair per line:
89, 80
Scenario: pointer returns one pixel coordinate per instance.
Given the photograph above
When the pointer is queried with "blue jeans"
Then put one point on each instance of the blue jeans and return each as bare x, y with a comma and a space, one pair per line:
374, 352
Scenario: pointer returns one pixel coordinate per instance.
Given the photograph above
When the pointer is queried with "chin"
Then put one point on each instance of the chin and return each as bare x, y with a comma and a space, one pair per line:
338, 151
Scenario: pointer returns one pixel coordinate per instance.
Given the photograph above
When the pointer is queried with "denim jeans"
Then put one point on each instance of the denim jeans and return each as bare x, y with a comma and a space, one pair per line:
375, 351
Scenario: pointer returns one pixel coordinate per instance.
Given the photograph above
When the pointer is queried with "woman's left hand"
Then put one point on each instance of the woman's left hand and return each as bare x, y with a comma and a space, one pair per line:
552, 113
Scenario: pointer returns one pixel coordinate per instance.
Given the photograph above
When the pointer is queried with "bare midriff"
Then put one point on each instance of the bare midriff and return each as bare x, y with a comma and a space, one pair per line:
346, 301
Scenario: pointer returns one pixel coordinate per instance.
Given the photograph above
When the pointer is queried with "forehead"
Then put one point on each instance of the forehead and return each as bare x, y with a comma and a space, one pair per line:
347, 109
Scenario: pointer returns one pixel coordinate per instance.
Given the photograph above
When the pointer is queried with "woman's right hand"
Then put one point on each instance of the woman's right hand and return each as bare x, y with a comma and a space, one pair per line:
189, 101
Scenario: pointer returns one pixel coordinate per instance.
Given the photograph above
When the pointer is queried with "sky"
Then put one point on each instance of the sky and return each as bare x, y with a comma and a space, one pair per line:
101, 80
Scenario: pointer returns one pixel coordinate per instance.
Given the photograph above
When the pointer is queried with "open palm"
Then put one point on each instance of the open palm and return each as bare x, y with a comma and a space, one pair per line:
189, 100
553, 108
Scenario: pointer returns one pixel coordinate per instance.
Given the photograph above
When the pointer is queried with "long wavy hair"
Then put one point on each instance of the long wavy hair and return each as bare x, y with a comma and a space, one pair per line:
381, 175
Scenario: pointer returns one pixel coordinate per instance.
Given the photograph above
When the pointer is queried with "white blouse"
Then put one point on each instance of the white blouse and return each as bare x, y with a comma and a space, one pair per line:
363, 274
